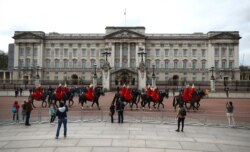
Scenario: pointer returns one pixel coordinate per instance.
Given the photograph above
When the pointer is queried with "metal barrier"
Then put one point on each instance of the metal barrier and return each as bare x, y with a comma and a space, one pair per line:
168, 116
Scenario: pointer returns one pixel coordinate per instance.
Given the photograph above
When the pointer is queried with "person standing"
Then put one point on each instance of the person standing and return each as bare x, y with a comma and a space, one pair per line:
181, 114
227, 92
230, 115
24, 110
120, 109
52, 112
61, 113
29, 109
15, 110
112, 112
21, 91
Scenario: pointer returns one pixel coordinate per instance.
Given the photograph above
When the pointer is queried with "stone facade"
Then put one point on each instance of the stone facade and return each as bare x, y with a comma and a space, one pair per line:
185, 57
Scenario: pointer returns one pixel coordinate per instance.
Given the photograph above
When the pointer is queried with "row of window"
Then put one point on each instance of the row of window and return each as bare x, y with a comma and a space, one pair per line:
223, 52
28, 51
176, 52
124, 63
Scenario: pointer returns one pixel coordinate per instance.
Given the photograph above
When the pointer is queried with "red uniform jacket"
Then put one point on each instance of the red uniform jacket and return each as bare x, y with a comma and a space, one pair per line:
155, 95
149, 91
89, 95
128, 96
38, 93
187, 94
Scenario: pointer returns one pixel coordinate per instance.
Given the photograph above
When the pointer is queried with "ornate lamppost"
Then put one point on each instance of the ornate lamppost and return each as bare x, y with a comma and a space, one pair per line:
212, 80
95, 76
106, 53
37, 82
142, 70
153, 77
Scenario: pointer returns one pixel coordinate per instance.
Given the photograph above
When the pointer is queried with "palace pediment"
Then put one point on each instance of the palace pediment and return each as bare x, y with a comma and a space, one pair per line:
28, 35
225, 35
124, 34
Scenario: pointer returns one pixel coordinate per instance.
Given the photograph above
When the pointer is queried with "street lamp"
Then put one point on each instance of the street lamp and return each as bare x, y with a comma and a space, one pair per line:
37, 68
212, 76
141, 54
106, 53
153, 74
95, 69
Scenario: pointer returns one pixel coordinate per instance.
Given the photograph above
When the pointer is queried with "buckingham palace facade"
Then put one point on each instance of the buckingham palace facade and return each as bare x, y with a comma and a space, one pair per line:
180, 57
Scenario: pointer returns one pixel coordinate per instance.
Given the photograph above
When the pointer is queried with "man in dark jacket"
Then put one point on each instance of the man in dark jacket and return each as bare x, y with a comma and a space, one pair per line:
112, 112
120, 109
61, 113
29, 108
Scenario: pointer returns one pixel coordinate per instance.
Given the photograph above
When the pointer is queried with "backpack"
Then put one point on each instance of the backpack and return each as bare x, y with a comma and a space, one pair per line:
183, 112
13, 109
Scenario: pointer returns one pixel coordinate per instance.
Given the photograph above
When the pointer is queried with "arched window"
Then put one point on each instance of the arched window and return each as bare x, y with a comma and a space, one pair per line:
148, 63
84, 64
65, 63
132, 63
57, 63
92, 63
224, 64
184, 65
157, 64
47, 63
27, 63
176, 64
74, 63
203, 64
166, 64
117, 63
101, 63
194, 63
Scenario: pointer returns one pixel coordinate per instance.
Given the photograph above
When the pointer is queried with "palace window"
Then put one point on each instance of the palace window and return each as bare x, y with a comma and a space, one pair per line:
57, 64
57, 53
175, 52
184, 52
75, 53
224, 63
65, 53
166, 52
203, 53
216, 64
74, 63
223, 52
65, 63
194, 52
21, 63
175, 64
47, 53
157, 64
47, 63
27, 63
92, 52
185, 64
21, 52
216, 52
203, 64
83, 52
27, 51
166, 64
194, 62
35, 52
231, 64
84, 64
231, 52
157, 52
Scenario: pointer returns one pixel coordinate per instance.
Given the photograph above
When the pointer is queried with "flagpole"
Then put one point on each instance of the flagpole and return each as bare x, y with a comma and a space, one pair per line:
125, 17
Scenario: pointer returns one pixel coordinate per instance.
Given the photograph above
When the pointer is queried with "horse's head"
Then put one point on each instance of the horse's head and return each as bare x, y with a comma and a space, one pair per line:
99, 91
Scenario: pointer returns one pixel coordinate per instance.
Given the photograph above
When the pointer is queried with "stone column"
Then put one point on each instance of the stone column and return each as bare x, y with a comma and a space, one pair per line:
142, 77
94, 81
153, 81
212, 85
120, 55
137, 61
4, 77
106, 76
112, 61
16, 55
128, 55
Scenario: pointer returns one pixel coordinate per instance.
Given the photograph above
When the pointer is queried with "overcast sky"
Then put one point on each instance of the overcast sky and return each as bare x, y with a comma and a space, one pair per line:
157, 16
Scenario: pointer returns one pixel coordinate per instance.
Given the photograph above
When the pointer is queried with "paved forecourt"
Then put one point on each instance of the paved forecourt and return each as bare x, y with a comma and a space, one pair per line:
127, 137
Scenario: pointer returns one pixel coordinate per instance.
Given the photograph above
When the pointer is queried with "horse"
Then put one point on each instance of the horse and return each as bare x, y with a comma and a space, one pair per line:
135, 98
43, 98
145, 99
67, 96
98, 92
193, 103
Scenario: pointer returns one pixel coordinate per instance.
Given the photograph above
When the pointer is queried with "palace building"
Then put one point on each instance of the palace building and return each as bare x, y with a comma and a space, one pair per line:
75, 56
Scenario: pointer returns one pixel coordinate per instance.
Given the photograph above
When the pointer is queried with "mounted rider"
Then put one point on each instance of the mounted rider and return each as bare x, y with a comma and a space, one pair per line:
155, 94
90, 94
59, 92
38, 92
123, 90
188, 92
128, 95
149, 91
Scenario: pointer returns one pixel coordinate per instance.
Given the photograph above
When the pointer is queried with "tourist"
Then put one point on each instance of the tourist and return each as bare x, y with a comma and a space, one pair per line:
61, 113
112, 112
52, 112
181, 117
230, 115
15, 111
120, 109
28, 112
24, 110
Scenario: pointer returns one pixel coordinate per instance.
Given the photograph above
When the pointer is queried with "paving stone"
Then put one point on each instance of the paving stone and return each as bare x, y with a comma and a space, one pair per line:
199, 146
128, 143
61, 142
110, 149
95, 142
49, 149
146, 150
24, 144
232, 148
73, 149
163, 144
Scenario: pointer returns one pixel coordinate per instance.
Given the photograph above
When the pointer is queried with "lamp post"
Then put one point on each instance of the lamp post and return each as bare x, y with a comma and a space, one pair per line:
37, 75
212, 82
141, 54
95, 76
106, 53
95, 69
153, 77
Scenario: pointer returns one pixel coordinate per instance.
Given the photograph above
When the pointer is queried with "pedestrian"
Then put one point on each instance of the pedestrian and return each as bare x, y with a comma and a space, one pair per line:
16, 92
52, 112
181, 114
227, 92
24, 110
120, 109
112, 112
61, 113
21, 91
28, 112
230, 115
15, 111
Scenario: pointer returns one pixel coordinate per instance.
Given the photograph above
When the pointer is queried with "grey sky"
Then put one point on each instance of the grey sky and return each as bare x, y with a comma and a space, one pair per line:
158, 16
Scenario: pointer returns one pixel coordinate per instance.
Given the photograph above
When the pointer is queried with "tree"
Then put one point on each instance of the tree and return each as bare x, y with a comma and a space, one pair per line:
3, 61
